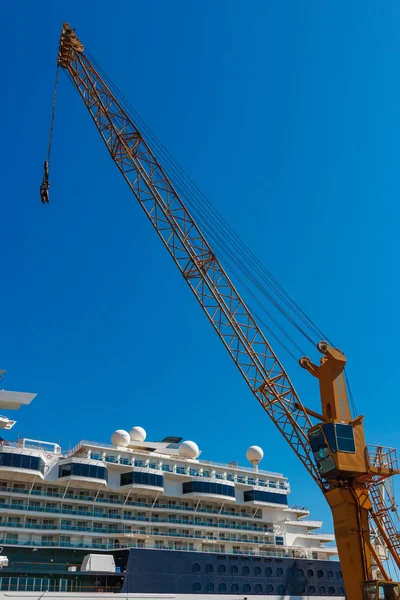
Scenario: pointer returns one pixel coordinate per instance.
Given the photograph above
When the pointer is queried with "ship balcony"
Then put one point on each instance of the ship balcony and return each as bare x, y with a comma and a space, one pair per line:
24, 465
83, 473
209, 489
261, 497
145, 479
322, 537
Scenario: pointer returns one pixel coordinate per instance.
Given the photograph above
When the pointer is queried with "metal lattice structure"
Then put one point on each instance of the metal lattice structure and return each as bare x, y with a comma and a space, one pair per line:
195, 259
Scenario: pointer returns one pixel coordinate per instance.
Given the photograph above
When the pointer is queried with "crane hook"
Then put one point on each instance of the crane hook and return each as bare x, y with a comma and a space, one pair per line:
44, 188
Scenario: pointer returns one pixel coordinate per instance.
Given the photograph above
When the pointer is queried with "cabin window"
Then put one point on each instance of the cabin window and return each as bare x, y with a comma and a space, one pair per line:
345, 438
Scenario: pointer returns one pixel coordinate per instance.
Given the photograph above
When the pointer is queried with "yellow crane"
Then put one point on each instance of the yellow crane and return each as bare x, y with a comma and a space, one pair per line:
329, 443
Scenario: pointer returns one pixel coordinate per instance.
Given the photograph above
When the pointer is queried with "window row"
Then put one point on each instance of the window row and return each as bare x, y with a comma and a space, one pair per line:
21, 461
259, 589
208, 487
83, 470
142, 478
268, 571
259, 496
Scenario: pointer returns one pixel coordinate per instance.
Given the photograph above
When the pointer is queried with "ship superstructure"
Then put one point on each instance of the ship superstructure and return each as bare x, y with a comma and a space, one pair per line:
159, 495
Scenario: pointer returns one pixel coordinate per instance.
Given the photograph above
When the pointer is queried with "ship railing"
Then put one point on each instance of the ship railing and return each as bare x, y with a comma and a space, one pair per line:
233, 466
128, 531
11, 523
284, 552
129, 503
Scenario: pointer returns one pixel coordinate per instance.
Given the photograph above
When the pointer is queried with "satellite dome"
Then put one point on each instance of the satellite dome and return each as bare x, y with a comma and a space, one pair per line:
188, 450
254, 454
120, 438
137, 434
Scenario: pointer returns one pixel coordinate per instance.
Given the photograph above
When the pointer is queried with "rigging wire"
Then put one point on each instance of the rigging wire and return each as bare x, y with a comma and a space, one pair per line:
45, 185
196, 198
351, 398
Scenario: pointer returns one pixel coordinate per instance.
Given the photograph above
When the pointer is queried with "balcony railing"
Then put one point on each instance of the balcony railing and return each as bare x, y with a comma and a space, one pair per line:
283, 552
128, 503
134, 518
129, 531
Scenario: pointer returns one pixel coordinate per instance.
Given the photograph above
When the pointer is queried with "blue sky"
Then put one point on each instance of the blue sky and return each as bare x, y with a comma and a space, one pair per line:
286, 116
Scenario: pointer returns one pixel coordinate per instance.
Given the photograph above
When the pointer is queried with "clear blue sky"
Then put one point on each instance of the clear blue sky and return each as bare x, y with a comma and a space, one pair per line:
286, 114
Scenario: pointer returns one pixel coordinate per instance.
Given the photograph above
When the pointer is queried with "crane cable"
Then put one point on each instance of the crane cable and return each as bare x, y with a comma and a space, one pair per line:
224, 236
44, 188
239, 245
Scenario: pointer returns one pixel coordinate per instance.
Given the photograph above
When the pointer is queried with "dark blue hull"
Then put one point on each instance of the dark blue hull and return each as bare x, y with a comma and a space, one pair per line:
145, 571
175, 572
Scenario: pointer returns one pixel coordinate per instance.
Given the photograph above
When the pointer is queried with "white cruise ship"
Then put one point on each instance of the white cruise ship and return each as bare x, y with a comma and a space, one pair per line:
167, 521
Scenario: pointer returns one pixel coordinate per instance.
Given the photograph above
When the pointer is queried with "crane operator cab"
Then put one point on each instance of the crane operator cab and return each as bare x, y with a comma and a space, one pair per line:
339, 449
381, 590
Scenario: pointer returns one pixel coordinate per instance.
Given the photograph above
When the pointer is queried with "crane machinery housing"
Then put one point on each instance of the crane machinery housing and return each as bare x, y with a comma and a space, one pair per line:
329, 443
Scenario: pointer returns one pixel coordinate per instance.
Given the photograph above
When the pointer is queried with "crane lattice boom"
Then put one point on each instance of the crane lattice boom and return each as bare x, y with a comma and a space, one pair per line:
195, 259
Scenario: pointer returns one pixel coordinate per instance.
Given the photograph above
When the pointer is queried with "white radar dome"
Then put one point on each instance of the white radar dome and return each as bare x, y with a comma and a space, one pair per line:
188, 450
137, 434
120, 438
254, 454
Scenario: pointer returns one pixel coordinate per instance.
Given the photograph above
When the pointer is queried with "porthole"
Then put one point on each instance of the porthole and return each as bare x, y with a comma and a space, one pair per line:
234, 569
258, 588
222, 588
341, 590
300, 572
196, 568
279, 572
322, 590
330, 574
196, 587
320, 573
291, 588
257, 571
234, 588
209, 568
246, 588
281, 589
221, 569
311, 589
310, 573
302, 589
331, 589
245, 570
290, 572
339, 574
268, 571
209, 587
270, 589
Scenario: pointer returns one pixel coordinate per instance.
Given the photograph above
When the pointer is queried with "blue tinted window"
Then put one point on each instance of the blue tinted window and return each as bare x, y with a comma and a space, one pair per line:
317, 440
20, 461
82, 470
329, 432
261, 496
345, 438
142, 478
208, 487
